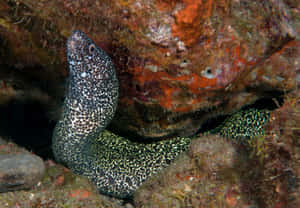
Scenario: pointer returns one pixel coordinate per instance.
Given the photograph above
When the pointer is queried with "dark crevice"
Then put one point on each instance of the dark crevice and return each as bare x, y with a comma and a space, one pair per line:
271, 101
26, 123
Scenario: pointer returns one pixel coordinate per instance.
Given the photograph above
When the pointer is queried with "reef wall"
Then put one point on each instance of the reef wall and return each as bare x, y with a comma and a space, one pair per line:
179, 62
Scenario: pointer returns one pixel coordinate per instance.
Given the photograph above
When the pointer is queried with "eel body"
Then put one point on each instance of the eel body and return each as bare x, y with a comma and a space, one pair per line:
117, 165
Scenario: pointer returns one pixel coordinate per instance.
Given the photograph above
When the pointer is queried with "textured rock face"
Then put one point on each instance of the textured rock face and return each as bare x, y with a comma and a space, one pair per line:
218, 173
179, 62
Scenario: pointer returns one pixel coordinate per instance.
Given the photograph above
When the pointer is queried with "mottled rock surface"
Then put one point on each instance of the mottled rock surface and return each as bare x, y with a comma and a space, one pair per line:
219, 173
179, 62
20, 171
201, 178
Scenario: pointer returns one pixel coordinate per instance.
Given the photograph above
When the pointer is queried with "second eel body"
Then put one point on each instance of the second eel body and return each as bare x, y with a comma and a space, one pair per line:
117, 165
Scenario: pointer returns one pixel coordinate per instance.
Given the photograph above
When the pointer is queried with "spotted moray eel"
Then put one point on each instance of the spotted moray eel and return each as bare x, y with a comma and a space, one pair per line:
116, 165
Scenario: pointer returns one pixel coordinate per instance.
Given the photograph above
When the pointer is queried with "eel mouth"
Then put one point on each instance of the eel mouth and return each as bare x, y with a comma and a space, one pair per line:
76, 39
71, 45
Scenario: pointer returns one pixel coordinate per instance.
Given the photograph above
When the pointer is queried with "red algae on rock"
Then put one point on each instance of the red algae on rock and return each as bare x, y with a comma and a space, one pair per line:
173, 57
189, 22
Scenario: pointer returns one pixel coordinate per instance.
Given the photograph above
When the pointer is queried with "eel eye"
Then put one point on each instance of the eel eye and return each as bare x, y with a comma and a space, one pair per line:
92, 48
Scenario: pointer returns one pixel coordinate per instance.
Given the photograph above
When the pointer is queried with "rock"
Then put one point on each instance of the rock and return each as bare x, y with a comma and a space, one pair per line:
205, 177
218, 173
20, 171
279, 156
59, 188
179, 62
2, 142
